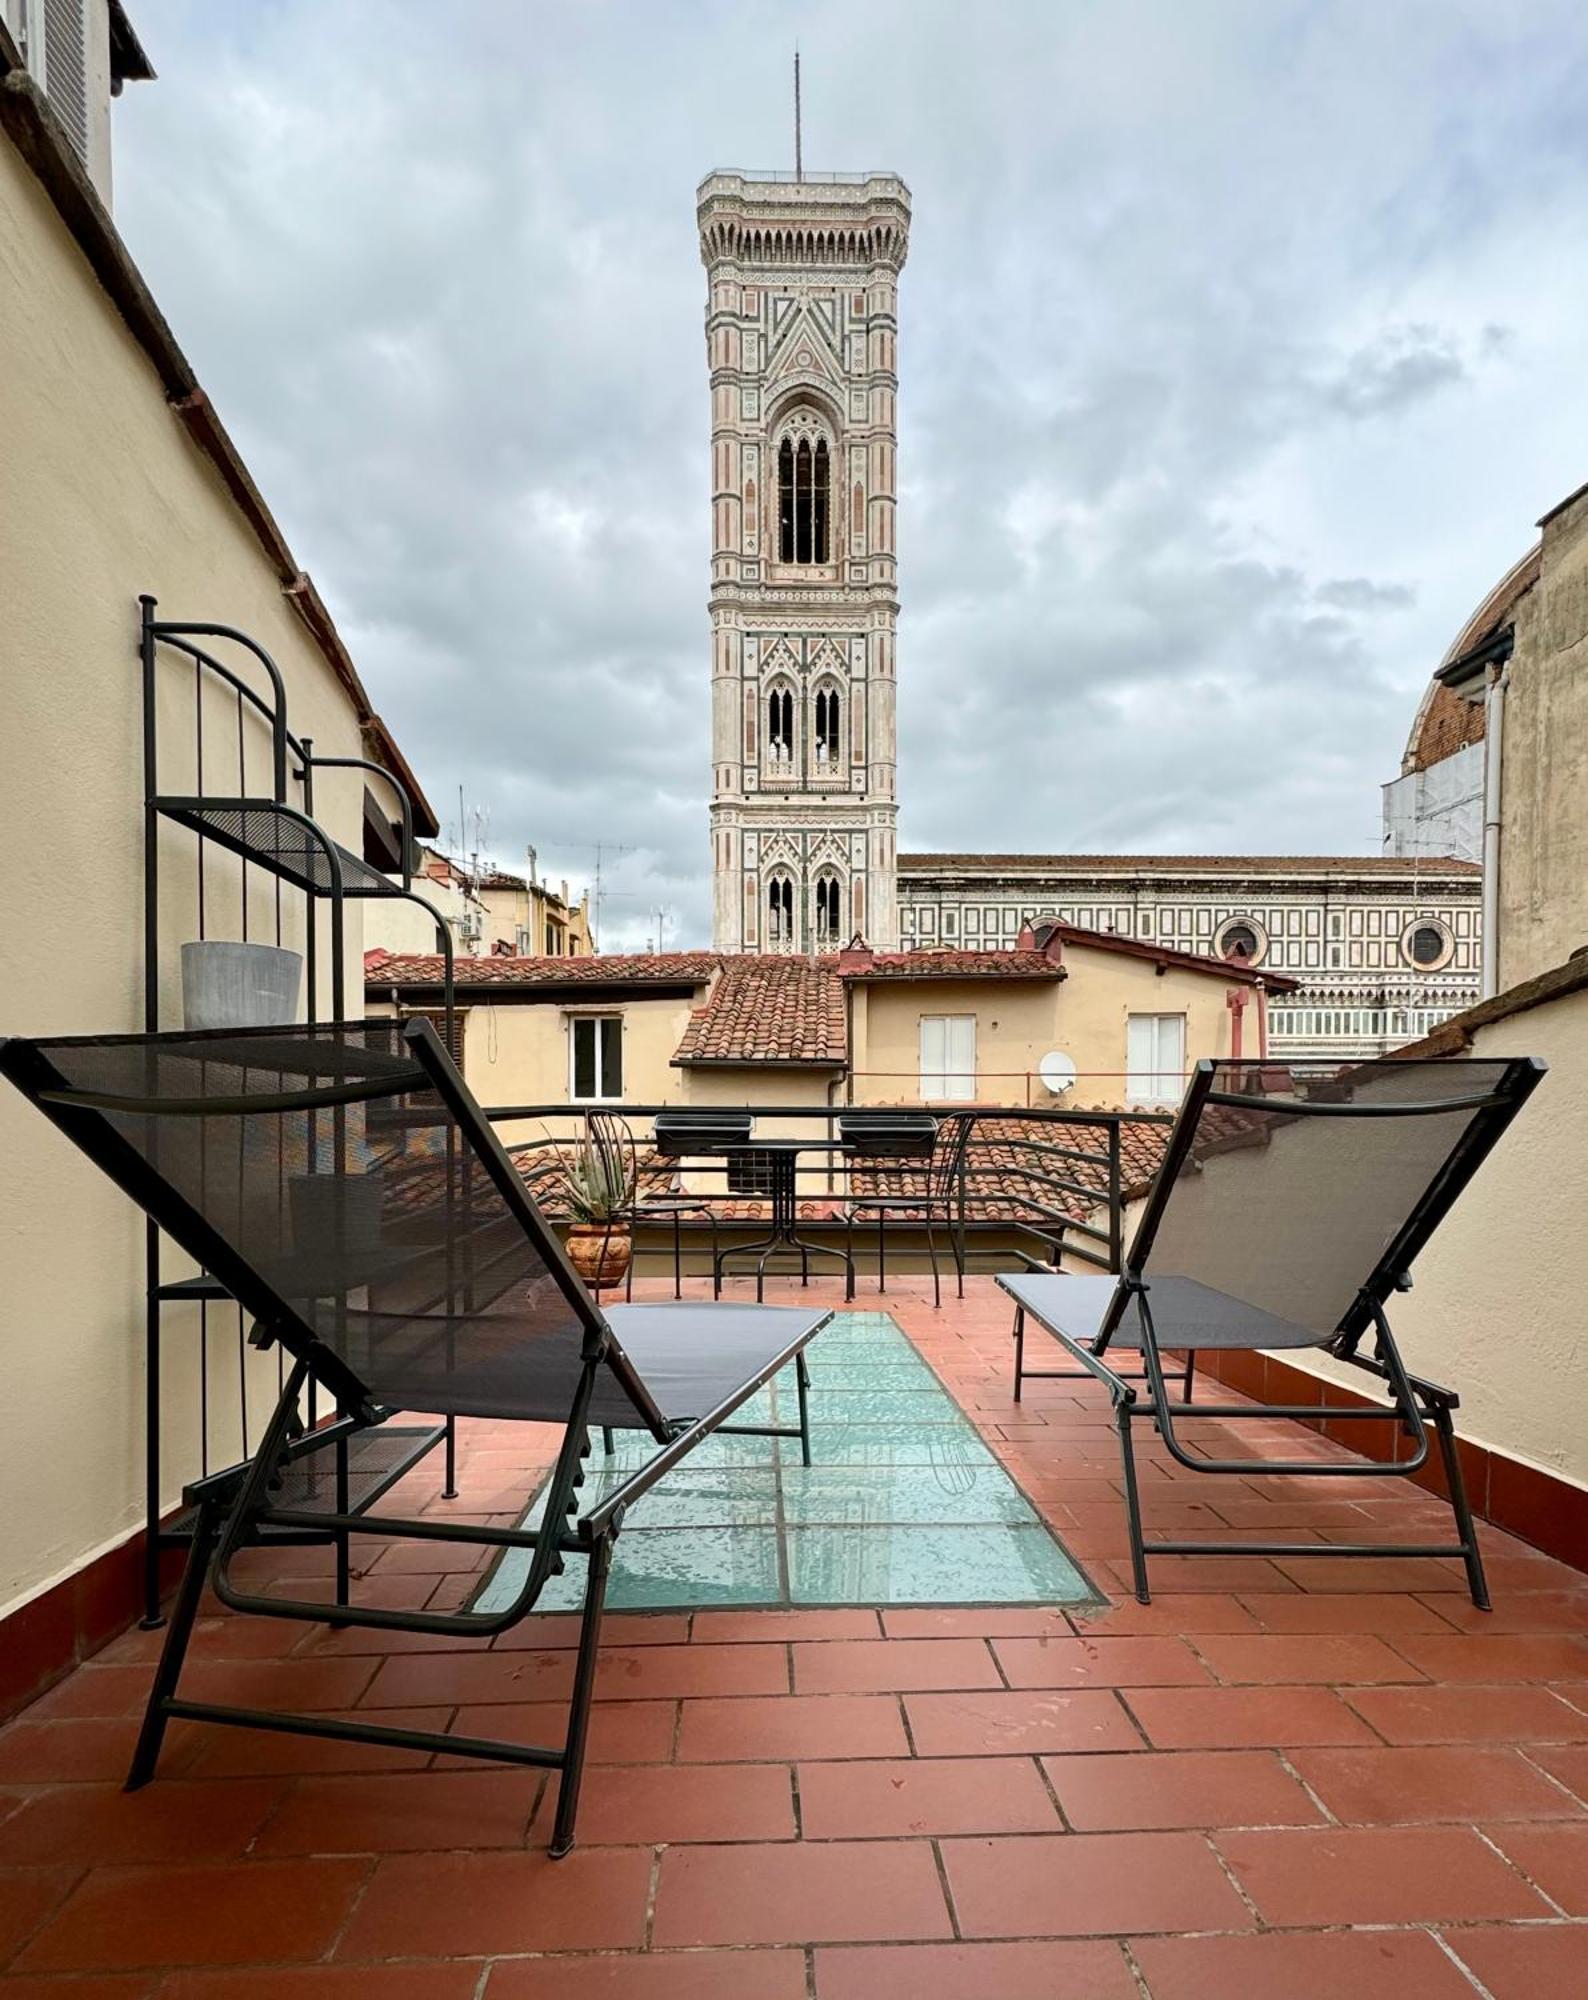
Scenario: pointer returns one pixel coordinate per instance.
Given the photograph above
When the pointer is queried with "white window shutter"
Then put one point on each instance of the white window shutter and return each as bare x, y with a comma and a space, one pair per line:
961, 1056
66, 68
933, 1054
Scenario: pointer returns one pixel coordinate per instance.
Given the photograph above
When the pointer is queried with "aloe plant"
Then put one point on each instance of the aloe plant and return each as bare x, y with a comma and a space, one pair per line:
596, 1178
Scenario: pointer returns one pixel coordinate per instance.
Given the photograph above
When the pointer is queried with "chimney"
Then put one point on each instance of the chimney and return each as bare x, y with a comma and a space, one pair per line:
856, 956
530, 853
1027, 939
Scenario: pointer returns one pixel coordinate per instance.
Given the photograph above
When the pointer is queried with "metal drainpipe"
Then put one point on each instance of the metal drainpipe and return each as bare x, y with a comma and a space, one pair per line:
1493, 760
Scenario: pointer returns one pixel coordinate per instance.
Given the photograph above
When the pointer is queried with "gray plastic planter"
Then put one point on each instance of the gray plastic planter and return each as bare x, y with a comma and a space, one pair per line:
230, 985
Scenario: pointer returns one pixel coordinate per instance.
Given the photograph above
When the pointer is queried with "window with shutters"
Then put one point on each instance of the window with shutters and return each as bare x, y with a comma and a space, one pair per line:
437, 1018
948, 1057
595, 1048
1154, 1059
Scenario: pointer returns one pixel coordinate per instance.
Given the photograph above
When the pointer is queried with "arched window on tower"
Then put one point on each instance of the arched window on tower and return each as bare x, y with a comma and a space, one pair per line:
780, 912
829, 909
829, 723
780, 725
804, 497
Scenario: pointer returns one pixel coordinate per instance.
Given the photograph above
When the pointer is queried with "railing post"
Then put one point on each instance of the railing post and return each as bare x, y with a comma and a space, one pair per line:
1116, 1221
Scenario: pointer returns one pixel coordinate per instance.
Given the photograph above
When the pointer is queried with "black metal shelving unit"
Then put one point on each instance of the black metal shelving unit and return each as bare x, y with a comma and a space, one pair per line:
274, 835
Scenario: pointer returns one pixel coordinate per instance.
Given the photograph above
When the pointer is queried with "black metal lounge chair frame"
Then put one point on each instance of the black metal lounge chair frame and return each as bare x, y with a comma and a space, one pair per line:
942, 1171
1416, 1404
233, 1504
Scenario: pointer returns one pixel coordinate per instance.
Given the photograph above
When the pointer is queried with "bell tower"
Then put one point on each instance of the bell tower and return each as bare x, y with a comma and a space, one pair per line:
801, 332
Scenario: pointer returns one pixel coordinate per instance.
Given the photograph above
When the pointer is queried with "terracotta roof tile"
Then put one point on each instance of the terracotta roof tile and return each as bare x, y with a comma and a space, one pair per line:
956, 965
769, 1010
664, 968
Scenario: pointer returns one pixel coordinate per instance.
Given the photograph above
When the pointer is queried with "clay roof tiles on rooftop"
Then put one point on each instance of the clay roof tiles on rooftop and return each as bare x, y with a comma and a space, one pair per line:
662, 968
770, 1010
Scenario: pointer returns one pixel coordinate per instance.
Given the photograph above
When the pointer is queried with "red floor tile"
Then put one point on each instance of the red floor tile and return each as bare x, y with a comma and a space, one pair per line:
1554, 1858
646, 1673
448, 1905
690, 1975
1243, 1718
1526, 1961
825, 1892
250, 1753
649, 1804
1021, 1723
27, 1897
1091, 1661
1375, 1875
1316, 1659
621, 1732
52, 1753
1367, 1965
233, 1914
1524, 1611
1171, 1613
405, 1811
457, 1980
924, 1795
543, 1631
1383, 1612
1470, 1715
92, 1825
1086, 1885
1075, 1970
977, 1621
1411, 1786
1157, 1792
1480, 1656
734, 1627
1566, 1763
881, 1666
791, 1726
96, 1986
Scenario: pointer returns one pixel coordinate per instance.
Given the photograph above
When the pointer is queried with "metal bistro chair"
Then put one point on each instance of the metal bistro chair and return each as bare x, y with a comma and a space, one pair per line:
939, 1169
614, 1135
1286, 1211
345, 1187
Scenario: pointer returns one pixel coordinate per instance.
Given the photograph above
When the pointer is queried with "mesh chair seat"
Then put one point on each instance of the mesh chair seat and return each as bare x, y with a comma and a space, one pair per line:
691, 1361
1186, 1314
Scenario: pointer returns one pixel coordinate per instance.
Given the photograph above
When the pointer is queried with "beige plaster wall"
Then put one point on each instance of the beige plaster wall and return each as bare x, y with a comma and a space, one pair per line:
1544, 805
102, 496
1019, 1021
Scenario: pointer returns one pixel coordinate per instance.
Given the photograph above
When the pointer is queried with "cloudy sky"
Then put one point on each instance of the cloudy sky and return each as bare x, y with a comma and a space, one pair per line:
1242, 342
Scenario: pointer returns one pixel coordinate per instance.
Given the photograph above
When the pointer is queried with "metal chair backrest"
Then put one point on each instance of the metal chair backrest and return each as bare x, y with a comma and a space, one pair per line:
949, 1145
344, 1186
1308, 1195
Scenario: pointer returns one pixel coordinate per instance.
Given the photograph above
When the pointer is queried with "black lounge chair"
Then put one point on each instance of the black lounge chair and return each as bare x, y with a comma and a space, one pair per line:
347, 1190
1285, 1212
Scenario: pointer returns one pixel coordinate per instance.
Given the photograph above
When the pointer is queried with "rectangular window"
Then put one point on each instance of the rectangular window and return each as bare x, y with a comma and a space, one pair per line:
750, 1172
948, 1057
596, 1045
1154, 1058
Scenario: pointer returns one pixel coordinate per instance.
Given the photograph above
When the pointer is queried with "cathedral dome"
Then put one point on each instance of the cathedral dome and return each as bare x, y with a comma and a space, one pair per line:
1446, 723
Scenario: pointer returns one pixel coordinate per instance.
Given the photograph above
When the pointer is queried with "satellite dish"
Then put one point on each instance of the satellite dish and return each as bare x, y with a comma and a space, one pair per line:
1057, 1072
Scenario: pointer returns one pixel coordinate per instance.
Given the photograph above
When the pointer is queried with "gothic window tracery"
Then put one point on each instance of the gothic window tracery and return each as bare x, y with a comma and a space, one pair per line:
780, 911
829, 725
804, 491
780, 724
829, 908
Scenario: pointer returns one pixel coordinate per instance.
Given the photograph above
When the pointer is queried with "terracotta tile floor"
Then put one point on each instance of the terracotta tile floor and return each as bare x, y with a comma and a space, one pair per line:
1282, 1780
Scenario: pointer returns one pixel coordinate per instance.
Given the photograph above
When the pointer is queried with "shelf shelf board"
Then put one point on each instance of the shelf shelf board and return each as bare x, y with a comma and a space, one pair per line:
277, 841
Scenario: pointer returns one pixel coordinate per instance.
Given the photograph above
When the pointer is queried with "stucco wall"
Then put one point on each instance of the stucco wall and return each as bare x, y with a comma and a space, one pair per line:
1544, 838
1018, 1022
103, 495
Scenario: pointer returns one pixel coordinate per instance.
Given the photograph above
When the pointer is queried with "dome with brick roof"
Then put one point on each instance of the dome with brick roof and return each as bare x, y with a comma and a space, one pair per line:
1445, 723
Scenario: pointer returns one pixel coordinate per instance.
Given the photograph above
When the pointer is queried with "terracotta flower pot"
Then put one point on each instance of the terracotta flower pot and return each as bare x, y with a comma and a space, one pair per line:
600, 1258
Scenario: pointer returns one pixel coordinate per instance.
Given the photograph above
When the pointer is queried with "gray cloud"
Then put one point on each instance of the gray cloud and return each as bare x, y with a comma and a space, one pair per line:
1235, 341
